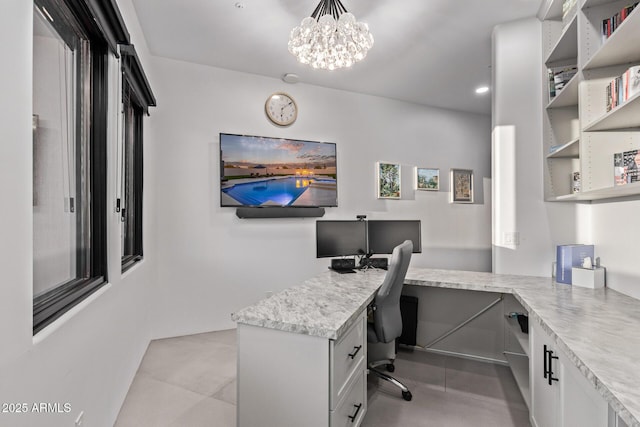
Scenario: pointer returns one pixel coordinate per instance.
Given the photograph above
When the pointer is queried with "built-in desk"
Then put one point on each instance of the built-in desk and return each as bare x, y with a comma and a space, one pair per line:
598, 329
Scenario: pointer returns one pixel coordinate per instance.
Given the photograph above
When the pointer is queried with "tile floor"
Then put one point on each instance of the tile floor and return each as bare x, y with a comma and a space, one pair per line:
190, 382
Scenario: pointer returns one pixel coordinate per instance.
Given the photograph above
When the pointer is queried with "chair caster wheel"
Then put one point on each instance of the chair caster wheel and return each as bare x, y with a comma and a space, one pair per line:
406, 395
390, 367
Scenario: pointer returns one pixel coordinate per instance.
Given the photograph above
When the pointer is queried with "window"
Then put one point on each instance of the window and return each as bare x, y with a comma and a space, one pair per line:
69, 153
136, 100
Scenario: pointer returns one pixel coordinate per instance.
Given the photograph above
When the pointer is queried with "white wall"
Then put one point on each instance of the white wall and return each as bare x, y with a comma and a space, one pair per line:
211, 263
616, 231
517, 160
88, 357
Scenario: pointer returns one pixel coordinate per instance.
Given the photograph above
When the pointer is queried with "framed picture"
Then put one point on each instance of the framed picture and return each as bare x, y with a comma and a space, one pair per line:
461, 185
427, 179
388, 177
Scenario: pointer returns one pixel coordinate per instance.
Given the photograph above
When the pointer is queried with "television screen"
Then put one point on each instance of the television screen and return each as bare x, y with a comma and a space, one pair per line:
340, 238
383, 236
262, 171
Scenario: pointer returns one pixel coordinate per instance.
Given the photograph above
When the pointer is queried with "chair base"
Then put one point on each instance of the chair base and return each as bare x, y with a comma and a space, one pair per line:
406, 394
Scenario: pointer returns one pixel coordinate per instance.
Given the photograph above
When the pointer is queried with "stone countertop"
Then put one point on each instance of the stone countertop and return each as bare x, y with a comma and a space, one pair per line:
598, 329
323, 306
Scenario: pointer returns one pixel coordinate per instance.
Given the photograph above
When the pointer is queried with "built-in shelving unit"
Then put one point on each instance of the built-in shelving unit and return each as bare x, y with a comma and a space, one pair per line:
519, 365
516, 350
579, 135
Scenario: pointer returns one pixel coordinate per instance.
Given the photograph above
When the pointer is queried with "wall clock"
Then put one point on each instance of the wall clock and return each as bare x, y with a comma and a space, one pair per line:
281, 109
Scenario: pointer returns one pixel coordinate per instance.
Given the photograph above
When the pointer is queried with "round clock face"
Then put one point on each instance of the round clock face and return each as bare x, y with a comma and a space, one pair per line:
281, 109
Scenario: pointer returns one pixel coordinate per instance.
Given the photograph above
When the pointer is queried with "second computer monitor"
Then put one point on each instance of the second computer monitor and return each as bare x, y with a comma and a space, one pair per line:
383, 236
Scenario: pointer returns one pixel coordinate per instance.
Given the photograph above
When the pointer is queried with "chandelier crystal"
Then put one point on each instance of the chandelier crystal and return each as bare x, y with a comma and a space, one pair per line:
330, 38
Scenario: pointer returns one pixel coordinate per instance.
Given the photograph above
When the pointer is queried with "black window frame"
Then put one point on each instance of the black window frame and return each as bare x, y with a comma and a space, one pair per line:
137, 97
99, 23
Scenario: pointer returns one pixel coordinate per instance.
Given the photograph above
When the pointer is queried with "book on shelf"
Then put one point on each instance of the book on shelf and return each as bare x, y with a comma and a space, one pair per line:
559, 77
623, 87
568, 9
555, 148
626, 167
575, 182
611, 24
569, 256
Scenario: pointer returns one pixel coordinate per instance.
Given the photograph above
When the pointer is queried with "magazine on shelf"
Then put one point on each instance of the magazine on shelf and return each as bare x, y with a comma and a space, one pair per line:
632, 80
626, 167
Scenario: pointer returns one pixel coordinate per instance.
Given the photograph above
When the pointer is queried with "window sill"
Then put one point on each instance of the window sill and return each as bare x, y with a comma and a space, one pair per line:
48, 330
131, 266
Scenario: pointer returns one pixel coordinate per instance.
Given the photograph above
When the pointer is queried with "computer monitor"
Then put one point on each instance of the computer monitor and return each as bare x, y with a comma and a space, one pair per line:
383, 236
341, 238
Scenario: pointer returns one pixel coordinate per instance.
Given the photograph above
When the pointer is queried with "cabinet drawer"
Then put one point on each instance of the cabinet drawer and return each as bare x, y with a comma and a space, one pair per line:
345, 357
353, 406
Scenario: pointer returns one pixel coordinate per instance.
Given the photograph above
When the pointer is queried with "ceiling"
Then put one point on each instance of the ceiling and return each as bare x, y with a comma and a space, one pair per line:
430, 52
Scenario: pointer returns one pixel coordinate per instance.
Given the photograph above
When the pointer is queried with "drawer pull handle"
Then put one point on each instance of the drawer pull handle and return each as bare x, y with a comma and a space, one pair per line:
545, 361
353, 417
356, 350
551, 357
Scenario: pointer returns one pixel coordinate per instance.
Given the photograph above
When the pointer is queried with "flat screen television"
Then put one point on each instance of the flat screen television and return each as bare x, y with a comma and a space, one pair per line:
262, 171
383, 236
340, 238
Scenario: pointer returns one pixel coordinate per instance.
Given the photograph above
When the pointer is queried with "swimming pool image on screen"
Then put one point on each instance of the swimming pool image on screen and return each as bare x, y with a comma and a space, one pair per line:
260, 171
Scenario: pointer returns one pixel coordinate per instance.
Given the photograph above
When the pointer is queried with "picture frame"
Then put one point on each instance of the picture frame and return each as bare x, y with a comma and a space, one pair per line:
461, 186
388, 180
427, 179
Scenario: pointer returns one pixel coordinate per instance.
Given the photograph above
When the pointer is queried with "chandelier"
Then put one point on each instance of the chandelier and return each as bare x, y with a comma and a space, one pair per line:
330, 38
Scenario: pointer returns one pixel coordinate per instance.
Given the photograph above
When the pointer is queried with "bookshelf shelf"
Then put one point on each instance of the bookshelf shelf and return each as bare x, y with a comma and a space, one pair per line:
568, 96
563, 198
624, 116
621, 47
593, 3
567, 46
570, 150
554, 11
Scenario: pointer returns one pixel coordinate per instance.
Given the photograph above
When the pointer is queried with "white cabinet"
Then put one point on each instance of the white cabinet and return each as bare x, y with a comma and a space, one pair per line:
560, 394
293, 379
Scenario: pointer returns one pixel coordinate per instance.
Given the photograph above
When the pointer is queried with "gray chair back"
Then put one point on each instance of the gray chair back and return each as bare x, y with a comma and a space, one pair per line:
387, 320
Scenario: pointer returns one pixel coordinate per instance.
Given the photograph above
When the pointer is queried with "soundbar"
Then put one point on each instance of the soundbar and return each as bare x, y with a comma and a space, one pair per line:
279, 212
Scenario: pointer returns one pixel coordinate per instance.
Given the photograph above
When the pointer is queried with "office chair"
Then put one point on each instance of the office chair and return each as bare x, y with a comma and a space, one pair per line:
387, 321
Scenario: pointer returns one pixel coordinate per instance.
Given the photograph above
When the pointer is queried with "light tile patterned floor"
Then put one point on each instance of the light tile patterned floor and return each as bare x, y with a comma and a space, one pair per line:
190, 381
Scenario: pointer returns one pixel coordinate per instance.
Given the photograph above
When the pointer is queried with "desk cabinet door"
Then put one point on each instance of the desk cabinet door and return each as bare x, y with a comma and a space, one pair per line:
567, 399
544, 396
581, 405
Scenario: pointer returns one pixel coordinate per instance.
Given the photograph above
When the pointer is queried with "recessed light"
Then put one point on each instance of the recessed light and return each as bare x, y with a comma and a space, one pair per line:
482, 89
290, 78
239, 5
